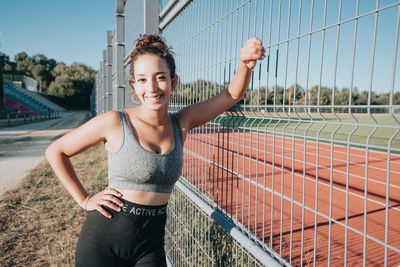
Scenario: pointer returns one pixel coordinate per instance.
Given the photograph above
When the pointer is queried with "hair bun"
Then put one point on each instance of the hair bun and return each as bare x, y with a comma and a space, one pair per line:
148, 40
154, 45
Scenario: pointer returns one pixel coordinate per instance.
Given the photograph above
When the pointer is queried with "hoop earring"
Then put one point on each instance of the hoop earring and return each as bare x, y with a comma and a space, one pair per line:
135, 101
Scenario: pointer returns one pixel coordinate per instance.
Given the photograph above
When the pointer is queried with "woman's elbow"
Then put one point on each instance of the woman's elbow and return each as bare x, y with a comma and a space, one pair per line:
51, 152
234, 96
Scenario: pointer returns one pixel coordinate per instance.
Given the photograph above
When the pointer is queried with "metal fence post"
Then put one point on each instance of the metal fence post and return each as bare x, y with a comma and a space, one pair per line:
97, 88
101, 87
104, 82
119, 50
99, 91
151, 18
108, 70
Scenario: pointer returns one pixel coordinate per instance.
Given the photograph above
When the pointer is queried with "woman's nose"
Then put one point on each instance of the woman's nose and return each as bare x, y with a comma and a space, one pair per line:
152, 85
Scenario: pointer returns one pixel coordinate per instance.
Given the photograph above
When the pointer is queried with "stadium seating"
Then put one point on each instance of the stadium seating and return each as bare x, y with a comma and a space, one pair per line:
21, 99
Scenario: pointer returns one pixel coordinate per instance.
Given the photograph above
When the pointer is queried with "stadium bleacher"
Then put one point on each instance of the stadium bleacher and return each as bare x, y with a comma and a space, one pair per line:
19, 98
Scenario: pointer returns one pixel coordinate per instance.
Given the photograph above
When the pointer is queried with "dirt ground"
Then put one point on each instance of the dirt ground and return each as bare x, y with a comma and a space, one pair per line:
22, 148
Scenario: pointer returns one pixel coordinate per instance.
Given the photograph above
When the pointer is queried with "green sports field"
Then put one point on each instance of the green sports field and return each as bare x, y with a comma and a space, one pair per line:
379, 131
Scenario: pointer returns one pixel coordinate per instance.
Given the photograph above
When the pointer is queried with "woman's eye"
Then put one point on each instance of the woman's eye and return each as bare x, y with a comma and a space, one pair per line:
161, 77
141, 80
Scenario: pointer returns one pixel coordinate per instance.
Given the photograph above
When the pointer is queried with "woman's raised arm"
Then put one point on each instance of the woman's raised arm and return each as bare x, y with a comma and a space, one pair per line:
202, 112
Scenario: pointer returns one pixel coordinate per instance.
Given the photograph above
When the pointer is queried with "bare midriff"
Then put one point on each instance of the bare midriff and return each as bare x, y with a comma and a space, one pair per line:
145, 198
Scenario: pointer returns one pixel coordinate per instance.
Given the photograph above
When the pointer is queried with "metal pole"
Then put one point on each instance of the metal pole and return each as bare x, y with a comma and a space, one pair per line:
108, 64
98, 93
104, 82
119, 50
151, 18
100, 89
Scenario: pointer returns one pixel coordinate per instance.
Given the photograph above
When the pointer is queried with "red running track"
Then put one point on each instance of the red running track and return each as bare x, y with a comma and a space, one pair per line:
300, 197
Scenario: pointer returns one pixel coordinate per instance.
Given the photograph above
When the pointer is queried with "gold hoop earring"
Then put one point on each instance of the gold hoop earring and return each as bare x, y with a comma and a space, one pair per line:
134, 101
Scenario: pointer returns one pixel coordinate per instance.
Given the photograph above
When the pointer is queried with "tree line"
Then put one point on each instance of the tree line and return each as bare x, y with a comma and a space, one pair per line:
72, 85
193, 92
317, 95
69, 86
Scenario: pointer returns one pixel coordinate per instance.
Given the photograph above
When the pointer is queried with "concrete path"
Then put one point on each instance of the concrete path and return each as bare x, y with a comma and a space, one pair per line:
22, 147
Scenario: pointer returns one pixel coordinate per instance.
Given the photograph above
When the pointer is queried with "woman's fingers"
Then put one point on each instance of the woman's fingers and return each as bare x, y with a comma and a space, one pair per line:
106, 198
251, 64
114, 200
103, 211
251, 52
254, 40
111, 205
113, 191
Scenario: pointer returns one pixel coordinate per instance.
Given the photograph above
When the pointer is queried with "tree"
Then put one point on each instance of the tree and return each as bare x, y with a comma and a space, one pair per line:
342, 97
383, 99
72, 84
59, 69
51, 63
396, 98
61, 87
25, 66
42, 75
360, 99
10, 67
20, 57
324, 94
40, 59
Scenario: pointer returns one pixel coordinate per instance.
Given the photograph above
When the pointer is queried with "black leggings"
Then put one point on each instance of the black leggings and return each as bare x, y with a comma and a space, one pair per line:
132, 237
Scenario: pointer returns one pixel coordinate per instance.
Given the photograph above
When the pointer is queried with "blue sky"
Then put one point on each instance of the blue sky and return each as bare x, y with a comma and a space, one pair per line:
75, 31
65, 30
371, 70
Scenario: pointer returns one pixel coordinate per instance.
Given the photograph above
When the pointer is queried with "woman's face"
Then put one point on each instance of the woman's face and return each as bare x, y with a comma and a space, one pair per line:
152, 82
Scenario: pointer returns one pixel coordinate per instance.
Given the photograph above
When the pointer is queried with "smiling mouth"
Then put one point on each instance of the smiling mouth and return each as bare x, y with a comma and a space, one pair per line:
153, 99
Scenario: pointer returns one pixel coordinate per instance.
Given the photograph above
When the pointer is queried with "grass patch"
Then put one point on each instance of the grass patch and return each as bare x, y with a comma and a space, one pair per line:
195, 239
39, 220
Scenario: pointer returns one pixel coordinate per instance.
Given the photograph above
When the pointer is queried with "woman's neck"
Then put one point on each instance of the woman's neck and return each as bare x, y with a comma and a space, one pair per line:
153, 117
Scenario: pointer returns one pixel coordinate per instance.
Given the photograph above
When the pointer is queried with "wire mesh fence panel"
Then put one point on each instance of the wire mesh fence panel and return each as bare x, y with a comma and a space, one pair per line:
195, 239
308, 163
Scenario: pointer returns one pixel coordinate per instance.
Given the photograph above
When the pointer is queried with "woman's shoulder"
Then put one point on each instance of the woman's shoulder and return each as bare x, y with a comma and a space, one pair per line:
110, 115
133, 113
109, 119
133, 110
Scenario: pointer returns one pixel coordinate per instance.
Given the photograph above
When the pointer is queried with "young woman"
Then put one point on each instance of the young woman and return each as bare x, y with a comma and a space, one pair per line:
125, 222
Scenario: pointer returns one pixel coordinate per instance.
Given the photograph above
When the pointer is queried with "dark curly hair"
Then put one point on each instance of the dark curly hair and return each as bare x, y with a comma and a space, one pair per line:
155, 45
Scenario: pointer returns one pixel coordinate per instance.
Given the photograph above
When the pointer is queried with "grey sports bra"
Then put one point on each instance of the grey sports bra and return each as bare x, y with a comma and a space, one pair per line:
134, 167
